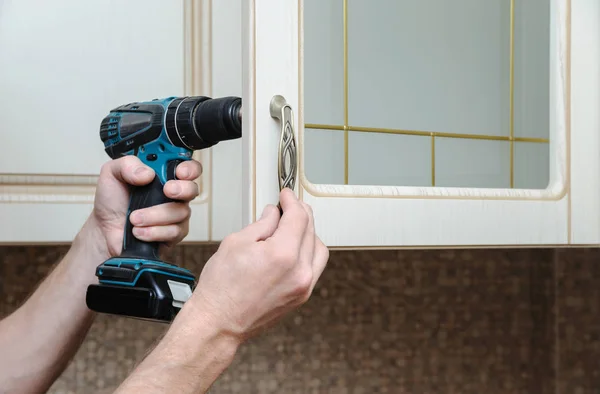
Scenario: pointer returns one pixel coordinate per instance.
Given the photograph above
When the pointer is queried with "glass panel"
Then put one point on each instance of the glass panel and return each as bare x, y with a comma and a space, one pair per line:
324, 62
388, 78
472, 163
324, 161
433, 65
388, 159
532, 73
532, 165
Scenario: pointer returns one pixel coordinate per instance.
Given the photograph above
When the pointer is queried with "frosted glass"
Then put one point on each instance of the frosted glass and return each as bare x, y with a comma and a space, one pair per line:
389, 159
427, 65
532, 69
433, 65
324, 157
472, 163
324, 62
532, 165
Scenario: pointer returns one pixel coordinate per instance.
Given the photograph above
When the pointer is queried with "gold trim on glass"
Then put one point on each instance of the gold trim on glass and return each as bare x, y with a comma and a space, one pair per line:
346, 122
432, 159
440, 134
512, 93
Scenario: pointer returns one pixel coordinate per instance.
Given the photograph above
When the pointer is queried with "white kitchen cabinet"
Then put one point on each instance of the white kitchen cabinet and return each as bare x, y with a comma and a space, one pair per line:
414, 125
428, 123
63, 65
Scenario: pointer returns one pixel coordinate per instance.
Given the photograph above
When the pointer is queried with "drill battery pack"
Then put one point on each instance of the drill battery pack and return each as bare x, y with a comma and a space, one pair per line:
148, 290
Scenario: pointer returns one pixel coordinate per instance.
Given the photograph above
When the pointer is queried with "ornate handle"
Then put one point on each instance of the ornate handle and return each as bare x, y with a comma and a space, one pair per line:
287, 158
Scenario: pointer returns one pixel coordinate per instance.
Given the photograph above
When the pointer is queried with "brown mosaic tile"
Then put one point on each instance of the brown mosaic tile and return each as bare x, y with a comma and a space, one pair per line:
379, 322
578, 278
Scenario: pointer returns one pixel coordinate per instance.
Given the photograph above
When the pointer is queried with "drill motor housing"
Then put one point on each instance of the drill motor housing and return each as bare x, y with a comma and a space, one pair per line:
162, 133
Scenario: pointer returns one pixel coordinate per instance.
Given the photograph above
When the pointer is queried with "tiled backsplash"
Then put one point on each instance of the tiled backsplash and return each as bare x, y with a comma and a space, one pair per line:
449, 321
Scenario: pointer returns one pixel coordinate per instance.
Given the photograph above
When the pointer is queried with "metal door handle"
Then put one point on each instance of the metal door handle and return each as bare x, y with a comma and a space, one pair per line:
287, 158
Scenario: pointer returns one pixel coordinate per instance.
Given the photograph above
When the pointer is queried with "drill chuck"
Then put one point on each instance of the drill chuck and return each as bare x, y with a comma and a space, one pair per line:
201, 122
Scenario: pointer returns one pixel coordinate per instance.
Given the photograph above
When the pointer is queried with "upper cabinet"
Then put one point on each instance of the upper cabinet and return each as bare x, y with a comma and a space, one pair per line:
403, 123
63, 65
426, 123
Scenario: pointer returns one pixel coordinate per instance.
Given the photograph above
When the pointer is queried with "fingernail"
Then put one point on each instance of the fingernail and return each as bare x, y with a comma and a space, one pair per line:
141, 170
138, 231
185, 172
136, 218
267, 210
175, 189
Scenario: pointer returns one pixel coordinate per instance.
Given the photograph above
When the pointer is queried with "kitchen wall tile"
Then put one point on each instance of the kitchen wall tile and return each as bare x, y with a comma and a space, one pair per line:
452, 321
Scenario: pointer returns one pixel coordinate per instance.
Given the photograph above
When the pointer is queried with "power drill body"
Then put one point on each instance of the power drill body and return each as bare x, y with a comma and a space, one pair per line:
162, 134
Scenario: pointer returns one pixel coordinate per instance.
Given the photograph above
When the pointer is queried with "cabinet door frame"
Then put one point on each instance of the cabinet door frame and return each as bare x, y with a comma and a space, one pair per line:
43, 208
349, 217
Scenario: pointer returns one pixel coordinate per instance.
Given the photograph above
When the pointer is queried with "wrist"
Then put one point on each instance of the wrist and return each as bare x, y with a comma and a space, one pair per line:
190, 357
91, 241
195, 330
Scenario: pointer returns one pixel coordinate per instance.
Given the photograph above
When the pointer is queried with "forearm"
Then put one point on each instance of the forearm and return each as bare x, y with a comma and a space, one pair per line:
192, 355
39, 339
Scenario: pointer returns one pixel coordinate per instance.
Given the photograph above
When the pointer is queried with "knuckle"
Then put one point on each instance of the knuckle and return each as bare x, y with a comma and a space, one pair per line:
230, 240
302, 284
182, 231
106, 168
308, 209
301, 216
174, 231
187, 211
324, 249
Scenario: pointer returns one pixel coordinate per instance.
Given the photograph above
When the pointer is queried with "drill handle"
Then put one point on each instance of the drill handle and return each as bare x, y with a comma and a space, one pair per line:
144, 197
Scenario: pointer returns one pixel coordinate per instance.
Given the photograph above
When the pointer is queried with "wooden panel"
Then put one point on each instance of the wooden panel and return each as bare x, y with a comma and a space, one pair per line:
352, 216
585, 122
65, 64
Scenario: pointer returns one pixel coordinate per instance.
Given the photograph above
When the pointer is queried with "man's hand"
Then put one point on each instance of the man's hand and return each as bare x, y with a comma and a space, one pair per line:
39, 339
257, 276
167, 223
264, 271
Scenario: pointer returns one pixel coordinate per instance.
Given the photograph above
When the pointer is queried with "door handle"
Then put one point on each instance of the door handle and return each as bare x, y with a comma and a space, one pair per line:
287, 165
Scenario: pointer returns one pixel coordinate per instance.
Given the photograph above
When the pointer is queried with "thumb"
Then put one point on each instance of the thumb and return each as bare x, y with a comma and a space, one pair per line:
130, 170
264, 227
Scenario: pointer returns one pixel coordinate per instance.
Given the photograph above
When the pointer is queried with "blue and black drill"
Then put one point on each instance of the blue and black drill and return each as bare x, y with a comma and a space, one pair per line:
162, 134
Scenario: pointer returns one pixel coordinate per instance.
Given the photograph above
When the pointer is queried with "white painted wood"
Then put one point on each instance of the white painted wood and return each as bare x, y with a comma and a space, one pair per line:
270, 67
394, 216
63, 65
585, 122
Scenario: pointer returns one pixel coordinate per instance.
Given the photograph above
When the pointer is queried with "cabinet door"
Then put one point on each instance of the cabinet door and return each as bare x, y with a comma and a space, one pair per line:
66, 63
424, 123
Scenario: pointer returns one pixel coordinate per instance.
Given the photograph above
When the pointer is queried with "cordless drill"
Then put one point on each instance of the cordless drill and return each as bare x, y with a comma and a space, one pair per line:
162, 134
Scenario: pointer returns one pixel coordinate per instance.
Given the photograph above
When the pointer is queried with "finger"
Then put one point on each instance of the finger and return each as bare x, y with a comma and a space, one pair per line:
308, 243
188, 170
128, 169
320, 259
161, 215
181, 190
294, 221
264, 227
170, 234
